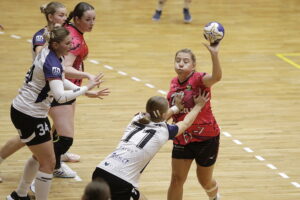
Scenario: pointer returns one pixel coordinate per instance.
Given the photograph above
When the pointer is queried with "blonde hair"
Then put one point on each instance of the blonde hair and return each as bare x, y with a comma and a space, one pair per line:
51, 8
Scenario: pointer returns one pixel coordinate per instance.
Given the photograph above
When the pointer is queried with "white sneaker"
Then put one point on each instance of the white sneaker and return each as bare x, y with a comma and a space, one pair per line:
64, 172
70, 157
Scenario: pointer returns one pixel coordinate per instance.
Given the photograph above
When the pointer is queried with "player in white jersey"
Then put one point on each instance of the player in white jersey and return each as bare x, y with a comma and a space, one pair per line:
142, 139
43, 82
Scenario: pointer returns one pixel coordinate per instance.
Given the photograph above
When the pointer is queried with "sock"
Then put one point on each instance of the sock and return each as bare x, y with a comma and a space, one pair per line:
42, 185
30, 170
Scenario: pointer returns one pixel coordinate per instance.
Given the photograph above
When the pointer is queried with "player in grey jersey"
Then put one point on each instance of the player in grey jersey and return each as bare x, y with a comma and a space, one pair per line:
142, 139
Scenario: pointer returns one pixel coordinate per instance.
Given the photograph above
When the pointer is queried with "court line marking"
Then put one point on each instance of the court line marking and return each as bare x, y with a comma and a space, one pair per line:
291, 62
271, 166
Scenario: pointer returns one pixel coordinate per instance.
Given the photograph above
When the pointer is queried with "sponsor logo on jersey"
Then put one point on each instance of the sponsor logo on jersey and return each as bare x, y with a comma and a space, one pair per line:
56, 71
189, 87
39, 38
119, 158
75, 47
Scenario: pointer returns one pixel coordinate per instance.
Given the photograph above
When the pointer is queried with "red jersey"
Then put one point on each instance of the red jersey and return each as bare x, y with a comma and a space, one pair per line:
205, 125
79, 49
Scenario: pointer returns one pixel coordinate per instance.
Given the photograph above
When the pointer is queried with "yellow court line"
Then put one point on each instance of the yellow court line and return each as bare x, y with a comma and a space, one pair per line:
283, 57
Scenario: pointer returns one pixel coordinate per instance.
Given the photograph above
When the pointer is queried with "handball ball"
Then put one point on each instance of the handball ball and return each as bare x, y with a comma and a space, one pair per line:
214, 32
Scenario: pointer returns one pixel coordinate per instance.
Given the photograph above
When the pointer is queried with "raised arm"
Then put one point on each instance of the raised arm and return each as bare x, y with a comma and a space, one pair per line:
210, 80
191, 116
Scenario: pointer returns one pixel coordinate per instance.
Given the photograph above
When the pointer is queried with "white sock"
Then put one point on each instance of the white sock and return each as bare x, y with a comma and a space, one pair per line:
42, 185
30, 170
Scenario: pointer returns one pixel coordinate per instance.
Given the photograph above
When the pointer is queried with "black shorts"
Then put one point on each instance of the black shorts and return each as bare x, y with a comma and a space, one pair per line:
205, 153
55, 103
120, 189
32, 130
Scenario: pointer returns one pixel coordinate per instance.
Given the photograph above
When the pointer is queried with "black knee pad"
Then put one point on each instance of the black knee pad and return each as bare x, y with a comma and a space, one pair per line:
61, 146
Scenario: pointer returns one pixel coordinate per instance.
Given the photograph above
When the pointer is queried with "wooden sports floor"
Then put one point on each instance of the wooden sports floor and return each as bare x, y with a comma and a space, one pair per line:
257, 103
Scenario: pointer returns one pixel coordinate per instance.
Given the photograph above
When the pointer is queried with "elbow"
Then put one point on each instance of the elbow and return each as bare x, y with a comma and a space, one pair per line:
60, 98
218, 78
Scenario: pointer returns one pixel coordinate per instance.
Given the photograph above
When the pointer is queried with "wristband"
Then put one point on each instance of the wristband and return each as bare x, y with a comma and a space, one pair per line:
175, 109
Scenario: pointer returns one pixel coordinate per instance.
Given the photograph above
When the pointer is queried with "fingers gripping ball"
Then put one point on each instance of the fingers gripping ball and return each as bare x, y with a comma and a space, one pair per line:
213, 32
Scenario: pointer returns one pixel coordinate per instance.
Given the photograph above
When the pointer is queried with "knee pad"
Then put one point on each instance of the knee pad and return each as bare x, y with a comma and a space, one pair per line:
61, 146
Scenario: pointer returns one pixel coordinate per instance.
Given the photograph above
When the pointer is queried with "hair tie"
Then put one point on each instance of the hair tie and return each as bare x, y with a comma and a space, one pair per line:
156, 113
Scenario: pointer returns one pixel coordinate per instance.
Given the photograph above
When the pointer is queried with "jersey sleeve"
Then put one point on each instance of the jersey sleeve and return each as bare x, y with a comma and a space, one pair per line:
173, 130
52, 68
38, 39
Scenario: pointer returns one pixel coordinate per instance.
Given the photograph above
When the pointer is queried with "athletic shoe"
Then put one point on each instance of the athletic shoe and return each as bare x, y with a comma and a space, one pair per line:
70, 157
156, 15
187, 18
15, 196
64, 172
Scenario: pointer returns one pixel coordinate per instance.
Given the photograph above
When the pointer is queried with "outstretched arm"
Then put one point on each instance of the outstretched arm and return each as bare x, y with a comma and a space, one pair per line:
72, 91
191, 116
210, 80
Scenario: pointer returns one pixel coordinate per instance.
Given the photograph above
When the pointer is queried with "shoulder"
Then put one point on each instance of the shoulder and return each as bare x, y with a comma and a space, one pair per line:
40, 32
199, 74
51, 60
173, 130
73, 30
52, 66
174, 79
38, 37
197, 78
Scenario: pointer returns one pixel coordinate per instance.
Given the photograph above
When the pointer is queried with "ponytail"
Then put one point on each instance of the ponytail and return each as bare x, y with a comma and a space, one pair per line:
145, 118
69, 18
